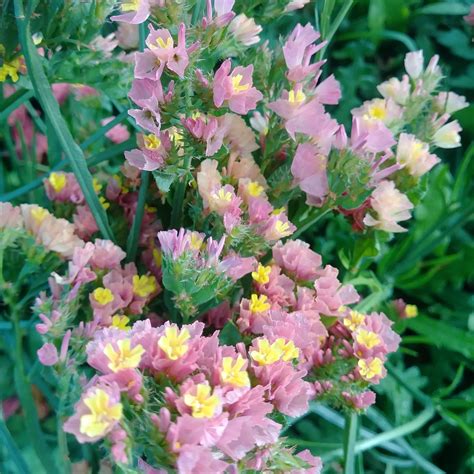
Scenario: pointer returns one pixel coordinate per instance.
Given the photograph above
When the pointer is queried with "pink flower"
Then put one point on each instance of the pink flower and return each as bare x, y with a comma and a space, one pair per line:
414, 155
208, 179
309, 170
245, 30
84, 222
296, 257
152, 153
10, 216
390, 206
360, 401
106, 254
133, 11
193, 459
414, 64
315, 463
236, 88
298, 51
127, 35
117, 134
63, 187
48, 354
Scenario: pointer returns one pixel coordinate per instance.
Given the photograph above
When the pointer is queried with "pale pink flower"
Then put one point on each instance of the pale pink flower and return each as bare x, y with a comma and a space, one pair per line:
414, 64
398, 91
315, 463
309, 170
448, 135
296, 5
385, 110
390, 207
48, 354
106, 254
84, 222
414, 155
236, 88
133, 11
117, 134
296, 257
245, 30
195, 459
360, 401
450, 102
10, 216
208, 179
127, 35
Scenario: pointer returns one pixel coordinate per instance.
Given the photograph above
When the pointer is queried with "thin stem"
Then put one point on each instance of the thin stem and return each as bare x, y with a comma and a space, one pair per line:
309, 222
350, 438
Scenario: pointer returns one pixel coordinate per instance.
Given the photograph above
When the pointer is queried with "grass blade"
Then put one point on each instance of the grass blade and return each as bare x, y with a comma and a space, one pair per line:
350, 439
10, 446
51, 109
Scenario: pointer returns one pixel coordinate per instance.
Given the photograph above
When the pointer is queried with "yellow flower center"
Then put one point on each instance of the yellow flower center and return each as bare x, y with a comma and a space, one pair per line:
57, 181
222, 195
144, 286
173, 342
195, 241
377, 110
195, 115
259, 304
354, 320
411, 311
120, 322
165, 45
283, 228
371, 369
368, 339
130, 5
270, 353
39, 214
96, 185
152, 142
296, 97
254, 189
262, 275
10, 69
125, 357
102, 414
237, 86
103, 296
233, 373
203, 404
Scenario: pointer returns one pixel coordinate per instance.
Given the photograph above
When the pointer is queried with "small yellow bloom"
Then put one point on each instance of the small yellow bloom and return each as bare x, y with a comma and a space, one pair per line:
102, 414
96, 185
195, 240
270, 353
176, 137
233, 373
411, 311
144, 286
195, 115
152, 142
203, 404
39, 214
278, 211
254, 189
262, 275
371, 369
104, 202
237, 86
354, 320
368, 339
120, 322
283, 228
173, 342
296, 98
103, 296
10, 69
57, 181
377, 110
258, 304
125, 357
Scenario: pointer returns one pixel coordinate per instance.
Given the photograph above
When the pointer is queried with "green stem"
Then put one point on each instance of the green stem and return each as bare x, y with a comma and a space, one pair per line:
350, 438
309, 222
178, 198
62, 440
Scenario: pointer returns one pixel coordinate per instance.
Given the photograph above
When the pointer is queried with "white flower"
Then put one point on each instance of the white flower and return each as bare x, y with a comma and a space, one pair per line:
414, 155
414, 64
448, 135
450, 102
245, 30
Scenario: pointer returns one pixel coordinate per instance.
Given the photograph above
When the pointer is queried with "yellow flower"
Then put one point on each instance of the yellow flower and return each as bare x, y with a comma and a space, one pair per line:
411, 311
288, 349
203, 404
96, 185
371, 369
368, 339
233, 373
152, 142
57, 181
296, 98
354, 320
258, 304
173, 342
254, 189
125, 357
102, 414
103, 296
237, 86
120, 322
157, 257
262, 275
130, 5
267, 353
104, 202
144, 286
10, 69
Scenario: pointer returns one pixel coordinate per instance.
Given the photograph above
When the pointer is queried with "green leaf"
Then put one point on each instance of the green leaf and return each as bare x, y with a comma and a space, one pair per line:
13, 452
164, 180
444, 8
444, 335
51, 109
